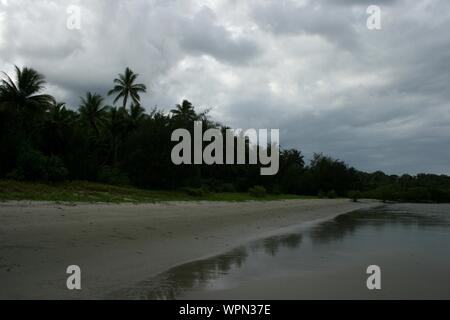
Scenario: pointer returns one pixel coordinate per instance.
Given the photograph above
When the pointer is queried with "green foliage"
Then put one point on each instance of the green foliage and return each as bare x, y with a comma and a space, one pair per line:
417, 194
111, 175
83, 191
258, 191
194, 192
125, 88
93, 113
227, 187
354, 195
45, 140
33, 165
332, 194
55, 170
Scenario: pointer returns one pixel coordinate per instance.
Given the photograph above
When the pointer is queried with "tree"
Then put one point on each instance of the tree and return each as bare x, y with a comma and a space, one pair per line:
59, 117
126, 88
57, 127
331, 175
184, 113
92, 112
22, 98
137, 114
291, 171
117, 128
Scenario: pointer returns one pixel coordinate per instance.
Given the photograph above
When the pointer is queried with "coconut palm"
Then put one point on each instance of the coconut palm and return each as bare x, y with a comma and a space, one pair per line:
137, 113
59, 118
22, 97
92, 112
117, 129
59, 121
184, 112
126, 88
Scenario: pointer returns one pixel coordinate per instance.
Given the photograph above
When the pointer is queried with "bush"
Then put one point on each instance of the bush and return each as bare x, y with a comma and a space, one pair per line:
111, 175
33, 165
194, 192
332, 194
439, 195
386, 193
276, 190
417, 194
228, 187
355, 195
55, 170
218, 186
321, 194
258, 191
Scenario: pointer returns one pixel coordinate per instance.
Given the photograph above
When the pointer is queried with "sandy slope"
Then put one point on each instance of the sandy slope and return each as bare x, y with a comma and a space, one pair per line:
119, 245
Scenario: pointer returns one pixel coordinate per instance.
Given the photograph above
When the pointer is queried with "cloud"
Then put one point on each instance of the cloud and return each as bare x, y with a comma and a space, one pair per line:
376, 99
201, 35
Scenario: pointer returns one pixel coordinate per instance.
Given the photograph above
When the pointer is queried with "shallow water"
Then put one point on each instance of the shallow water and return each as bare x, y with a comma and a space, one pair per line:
328, 260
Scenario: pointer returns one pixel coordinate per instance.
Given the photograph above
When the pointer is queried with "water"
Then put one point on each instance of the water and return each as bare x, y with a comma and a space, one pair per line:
410, 243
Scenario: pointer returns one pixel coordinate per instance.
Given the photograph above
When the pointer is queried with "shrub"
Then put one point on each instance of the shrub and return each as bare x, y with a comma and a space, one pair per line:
258, 191
386, 193
111, 175
417, 194
55, 170
439, 195
33, 165
355, 195
276, 190
194, 192
321, 194
332, 194
228, 187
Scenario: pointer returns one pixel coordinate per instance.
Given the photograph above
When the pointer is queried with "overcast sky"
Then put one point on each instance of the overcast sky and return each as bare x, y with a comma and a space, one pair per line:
377, 99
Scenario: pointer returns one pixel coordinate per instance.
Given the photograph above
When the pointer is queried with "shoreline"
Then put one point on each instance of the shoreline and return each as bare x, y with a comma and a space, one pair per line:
118, 245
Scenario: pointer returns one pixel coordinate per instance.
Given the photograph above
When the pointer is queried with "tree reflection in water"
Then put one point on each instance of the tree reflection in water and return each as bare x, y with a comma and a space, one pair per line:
199, 274
170, 284
346, 224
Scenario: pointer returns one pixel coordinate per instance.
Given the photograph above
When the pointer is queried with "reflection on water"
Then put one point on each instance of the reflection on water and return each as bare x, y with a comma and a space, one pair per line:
391, 234
170, 284
346, 224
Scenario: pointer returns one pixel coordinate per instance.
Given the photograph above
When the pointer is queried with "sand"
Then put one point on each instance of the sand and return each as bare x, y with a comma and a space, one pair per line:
117, 246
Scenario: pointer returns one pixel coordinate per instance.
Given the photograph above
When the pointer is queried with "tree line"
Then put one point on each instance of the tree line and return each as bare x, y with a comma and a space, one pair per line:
44, 140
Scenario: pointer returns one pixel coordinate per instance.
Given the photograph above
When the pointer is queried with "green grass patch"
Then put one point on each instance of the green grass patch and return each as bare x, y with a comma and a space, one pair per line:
82, 191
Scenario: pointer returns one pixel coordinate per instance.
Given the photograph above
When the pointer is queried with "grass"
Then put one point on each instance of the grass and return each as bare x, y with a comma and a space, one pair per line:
82, 191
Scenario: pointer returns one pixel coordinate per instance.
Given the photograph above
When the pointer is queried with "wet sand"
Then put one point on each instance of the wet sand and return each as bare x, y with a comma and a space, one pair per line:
119, 245
326, 260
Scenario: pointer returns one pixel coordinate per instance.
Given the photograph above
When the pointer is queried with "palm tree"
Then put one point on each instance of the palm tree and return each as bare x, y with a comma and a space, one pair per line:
59, 121
137, 113
59, 118
117, 128
126, 88
184, 112
22, 97
92, 112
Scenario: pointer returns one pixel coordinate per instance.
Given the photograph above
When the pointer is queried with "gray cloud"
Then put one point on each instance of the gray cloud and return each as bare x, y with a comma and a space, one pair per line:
376, 99
201, 35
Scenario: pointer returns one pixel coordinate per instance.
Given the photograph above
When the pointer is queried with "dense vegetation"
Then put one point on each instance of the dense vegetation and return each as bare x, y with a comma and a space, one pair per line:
44, 140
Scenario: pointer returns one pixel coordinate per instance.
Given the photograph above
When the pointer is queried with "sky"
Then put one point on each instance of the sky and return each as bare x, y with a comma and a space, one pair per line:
376, 99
